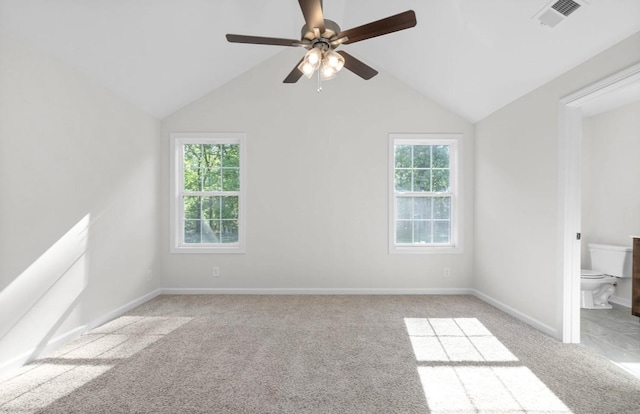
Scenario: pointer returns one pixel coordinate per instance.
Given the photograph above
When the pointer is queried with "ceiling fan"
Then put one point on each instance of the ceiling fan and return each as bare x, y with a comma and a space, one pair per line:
321, 37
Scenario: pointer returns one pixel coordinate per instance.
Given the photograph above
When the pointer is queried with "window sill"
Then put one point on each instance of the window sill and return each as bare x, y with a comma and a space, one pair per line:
425, 249
235, 249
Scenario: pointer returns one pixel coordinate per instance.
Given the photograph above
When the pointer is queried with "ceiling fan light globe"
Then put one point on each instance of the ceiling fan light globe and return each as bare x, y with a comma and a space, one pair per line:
313, 56
310, 62
327, 72
307, 69
335, 60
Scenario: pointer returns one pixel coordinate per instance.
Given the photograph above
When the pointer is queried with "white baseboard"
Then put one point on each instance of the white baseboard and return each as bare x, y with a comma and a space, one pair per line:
123, 309
314, 291
620, 301
14, 364
517, 314
366, 291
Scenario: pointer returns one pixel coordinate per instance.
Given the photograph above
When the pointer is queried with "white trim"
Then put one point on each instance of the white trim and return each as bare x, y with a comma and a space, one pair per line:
455, 142
13, 365
368, 291
620, 301
316, 291
609, 84
9, 367
177, 139
123, 309
569, 206
569, 213
516, 314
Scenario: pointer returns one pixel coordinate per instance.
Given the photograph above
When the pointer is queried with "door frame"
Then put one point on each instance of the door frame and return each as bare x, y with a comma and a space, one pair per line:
569, 191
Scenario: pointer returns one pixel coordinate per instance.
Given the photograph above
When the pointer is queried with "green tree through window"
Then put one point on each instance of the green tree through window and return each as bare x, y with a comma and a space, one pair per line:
214, 169
209, 191
422, 184
423, 191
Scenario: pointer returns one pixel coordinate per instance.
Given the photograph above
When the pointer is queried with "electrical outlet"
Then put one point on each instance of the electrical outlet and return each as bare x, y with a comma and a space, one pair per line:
446, 272
216, 271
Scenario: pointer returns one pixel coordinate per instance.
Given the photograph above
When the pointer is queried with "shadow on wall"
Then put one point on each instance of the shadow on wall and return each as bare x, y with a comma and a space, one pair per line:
36, 303
102, 262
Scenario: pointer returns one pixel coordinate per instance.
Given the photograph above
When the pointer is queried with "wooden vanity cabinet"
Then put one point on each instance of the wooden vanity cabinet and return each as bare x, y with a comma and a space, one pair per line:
635, 274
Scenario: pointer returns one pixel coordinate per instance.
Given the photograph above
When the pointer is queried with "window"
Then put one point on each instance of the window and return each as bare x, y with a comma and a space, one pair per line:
207, 200
424, 201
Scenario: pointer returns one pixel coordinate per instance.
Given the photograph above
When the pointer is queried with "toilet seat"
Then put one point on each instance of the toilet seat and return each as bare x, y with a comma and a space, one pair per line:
591, 274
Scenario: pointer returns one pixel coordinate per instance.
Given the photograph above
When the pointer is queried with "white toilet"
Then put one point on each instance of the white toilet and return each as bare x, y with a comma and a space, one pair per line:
608, 263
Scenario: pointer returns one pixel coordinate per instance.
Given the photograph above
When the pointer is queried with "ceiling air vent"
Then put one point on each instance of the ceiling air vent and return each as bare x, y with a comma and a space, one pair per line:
565, 7
556, 12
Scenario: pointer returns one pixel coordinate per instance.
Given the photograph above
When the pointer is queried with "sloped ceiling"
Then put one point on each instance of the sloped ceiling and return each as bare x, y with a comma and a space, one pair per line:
471, 56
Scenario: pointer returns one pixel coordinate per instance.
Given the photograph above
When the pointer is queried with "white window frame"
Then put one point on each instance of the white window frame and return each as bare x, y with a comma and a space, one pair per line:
454, 141
177, 140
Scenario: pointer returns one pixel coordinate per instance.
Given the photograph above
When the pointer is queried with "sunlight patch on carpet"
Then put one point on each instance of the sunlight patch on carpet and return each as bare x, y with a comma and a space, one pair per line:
44, 384
487, 390
464, 369
454, 339
120, 338
75, 364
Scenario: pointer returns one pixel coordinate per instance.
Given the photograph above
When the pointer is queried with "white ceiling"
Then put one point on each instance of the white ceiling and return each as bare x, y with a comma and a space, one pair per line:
471, 56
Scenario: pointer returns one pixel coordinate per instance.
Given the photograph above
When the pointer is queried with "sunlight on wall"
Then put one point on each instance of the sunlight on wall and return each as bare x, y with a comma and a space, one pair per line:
56, 375
463, 369
38, 301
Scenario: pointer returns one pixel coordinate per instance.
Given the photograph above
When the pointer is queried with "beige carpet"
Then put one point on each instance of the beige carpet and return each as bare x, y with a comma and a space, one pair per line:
319, 354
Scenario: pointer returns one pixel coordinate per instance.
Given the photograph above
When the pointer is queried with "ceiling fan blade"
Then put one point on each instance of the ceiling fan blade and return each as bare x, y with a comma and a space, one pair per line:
361, 69
312, 12
258, 40
295, 74
380, 27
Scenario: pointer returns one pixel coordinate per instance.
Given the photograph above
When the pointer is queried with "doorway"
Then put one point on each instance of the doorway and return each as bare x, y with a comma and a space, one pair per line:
569, 182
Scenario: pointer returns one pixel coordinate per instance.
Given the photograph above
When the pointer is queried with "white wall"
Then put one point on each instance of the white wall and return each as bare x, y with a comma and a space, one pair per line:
317, 183
84, 182
516, 245
78, 184
610, 177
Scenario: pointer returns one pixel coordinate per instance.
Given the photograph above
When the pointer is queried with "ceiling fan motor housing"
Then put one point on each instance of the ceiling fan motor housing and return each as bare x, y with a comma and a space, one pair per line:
330, 33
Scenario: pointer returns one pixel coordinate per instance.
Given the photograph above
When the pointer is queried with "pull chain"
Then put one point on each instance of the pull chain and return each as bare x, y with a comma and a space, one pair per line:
319, 82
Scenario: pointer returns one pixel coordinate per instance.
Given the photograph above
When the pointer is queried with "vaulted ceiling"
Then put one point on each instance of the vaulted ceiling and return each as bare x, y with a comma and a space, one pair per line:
471, 56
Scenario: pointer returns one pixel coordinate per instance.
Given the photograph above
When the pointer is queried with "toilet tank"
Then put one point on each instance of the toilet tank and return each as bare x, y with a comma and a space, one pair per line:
611, 260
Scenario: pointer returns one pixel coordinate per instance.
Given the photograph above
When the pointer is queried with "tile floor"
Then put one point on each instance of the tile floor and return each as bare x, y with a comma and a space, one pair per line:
614, 334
